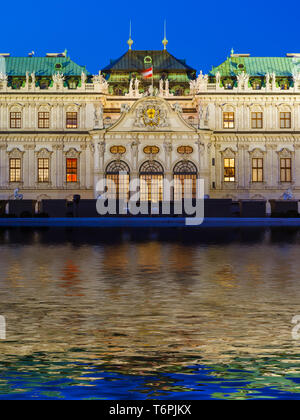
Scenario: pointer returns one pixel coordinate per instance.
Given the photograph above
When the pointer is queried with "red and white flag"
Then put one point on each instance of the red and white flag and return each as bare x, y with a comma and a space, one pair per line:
147, 73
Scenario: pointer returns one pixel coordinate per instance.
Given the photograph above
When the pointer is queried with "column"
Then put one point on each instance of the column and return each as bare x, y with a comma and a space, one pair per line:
3, 166
29, 166
83, 165
296, 165
58, 164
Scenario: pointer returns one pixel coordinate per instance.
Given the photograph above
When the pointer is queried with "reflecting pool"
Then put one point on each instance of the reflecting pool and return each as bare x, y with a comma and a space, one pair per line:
149, 314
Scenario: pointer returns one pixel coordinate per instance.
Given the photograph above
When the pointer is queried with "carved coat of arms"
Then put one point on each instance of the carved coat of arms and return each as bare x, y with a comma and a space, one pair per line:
151, 115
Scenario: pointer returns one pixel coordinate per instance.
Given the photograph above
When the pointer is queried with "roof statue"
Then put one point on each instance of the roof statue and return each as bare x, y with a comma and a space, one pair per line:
83, 78
243, 79
100, 82
58, 78
3, 77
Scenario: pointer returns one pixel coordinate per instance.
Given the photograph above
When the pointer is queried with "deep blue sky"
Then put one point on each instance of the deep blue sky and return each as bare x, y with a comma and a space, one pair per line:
201, 32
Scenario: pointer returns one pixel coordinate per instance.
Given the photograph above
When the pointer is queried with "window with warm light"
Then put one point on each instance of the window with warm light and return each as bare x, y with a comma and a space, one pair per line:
257, 120
71, 166
285, 120
228, 119
43, 170
71, 120
15, 120
257, 170
15, 170
285, 169
43, 119
229, 170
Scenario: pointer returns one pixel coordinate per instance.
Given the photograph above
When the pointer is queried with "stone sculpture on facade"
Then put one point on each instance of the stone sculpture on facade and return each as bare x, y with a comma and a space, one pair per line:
268, 81
17, 196
177, 107
100, 83
58, 80
125, 108
134, 89
98, 116
243, 80
202, 81
33, 79
83, 78
273, 77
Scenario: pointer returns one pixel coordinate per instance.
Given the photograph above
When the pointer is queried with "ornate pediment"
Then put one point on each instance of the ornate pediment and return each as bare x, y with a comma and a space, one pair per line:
151, 114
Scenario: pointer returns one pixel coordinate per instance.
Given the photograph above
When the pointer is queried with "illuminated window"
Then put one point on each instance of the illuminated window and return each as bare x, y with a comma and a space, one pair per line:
229, 170
257, 170
71, 165
151, 181
117, 178
185, 177
185, 150
228, 119
44, 119
285, 120
257, 120
151, 150
15, 170
71, 120
43, 170
15, 120
117, 150
285, 169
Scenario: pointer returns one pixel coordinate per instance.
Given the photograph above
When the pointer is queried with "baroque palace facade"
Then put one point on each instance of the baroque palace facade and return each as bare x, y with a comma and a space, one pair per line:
62, 128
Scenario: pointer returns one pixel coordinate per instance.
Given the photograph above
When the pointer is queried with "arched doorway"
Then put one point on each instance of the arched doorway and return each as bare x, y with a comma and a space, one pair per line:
151, 181
117, 178
185, 177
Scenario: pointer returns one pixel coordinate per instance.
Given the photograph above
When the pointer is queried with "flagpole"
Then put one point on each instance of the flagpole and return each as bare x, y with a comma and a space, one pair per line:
152, 75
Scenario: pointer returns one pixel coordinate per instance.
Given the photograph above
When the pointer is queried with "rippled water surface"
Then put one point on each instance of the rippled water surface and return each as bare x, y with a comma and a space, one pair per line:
147, 314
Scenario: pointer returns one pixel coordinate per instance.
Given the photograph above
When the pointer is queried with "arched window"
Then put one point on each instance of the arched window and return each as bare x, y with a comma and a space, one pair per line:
117, 178
185, 176
151, 181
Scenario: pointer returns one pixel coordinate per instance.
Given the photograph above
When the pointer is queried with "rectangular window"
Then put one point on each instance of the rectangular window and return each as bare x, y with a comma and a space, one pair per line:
43, 170
71, 170
257, 120
285, 120
15, 120
229, 170
228, 119
44, 120
15, 170
71, 120
285, 170
257, 170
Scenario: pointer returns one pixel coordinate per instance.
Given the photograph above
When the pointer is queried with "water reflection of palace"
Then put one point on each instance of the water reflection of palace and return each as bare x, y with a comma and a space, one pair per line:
142, 306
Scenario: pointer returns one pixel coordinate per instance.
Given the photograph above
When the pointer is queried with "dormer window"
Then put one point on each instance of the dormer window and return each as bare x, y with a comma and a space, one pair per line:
44, 83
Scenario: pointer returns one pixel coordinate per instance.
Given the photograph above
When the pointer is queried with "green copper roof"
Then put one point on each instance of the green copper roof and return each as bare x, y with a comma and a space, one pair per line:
162, 60
257, 66
42, 66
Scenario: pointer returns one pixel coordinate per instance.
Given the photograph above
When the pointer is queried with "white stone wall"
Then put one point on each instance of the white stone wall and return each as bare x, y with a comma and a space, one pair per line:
210, 141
